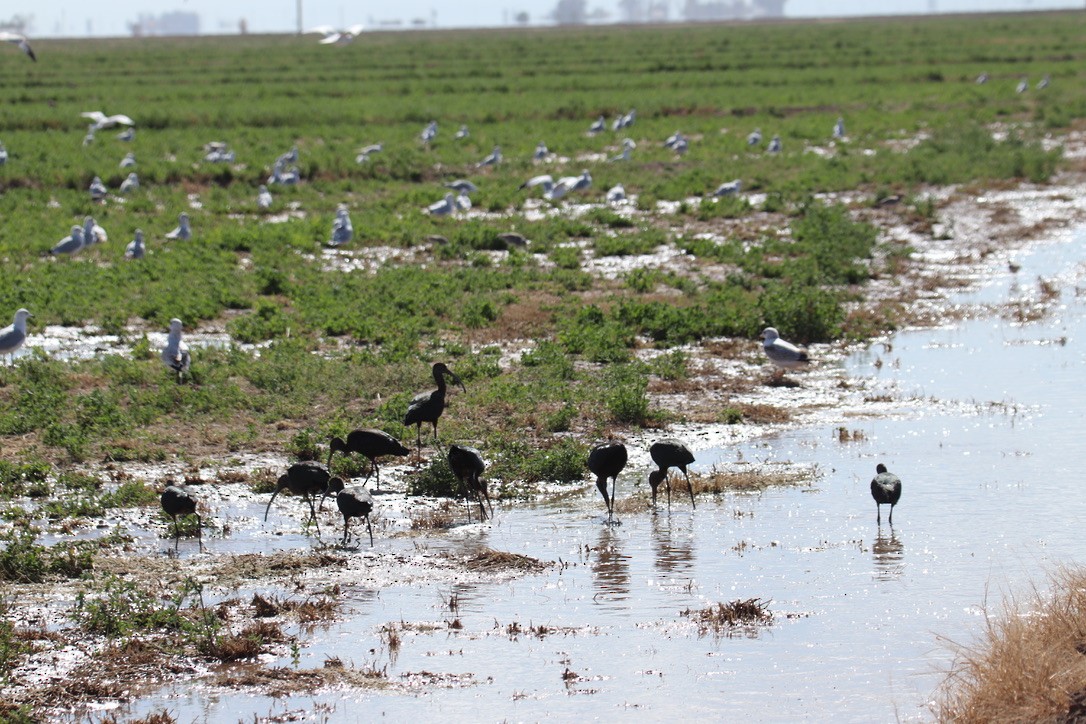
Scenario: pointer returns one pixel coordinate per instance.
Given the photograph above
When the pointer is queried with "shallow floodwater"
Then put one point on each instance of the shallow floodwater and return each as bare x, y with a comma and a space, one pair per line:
983, 424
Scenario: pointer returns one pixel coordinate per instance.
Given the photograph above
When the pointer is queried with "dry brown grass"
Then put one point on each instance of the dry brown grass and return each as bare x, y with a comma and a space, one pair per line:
748, 480
489, 559
736, 616
433, 518
1030, 664
320, 608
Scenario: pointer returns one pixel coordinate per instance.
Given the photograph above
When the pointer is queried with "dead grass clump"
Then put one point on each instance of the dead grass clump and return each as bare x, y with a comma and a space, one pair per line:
1029, 664
248, 644
748, 480
844, 435
764, 414
633, 504
489, 559
156, 717
726, 618
432, 519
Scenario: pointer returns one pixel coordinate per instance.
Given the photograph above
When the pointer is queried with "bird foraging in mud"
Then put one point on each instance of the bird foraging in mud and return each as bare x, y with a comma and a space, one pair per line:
886, 490
353, 502
467, 464
669, 453
306, 479
178, 500
371, 444
785, 355
428, 406
607, 460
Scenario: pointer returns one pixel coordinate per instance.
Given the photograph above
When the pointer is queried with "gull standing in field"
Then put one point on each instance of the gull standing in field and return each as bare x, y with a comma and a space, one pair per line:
616, 194
677, 142
218, 152
598, 126
785, 355
9, 37
128, 161
839, 128
540, 152
1043, 82
442, 208
462, 133
429, 133
135, 249
290, 156
3, 154
627, 146
101, 120
982, 79
92, 232
493, 159
462, 185
342, 229
127, 134
578, 183
89, 138
183, 231
1023, 86
130, 183
755, 137
13, 336
463, 201
175, 354
729, 188
624, 121
774, 145
263, 197
365, 152
70, 244
98, 190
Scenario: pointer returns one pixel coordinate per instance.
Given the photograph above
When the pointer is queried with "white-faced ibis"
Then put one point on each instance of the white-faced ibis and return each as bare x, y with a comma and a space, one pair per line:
428, 406
306, 479
669, 453
176, 354
371, 444
606, 461
783, 354
886, 490
179, 500
467, 464
353, 502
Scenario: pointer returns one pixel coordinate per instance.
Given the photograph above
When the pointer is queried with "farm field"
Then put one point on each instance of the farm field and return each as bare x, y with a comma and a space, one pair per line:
628, 318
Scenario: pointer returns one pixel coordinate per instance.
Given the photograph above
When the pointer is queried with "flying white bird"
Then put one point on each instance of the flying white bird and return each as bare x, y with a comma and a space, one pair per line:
365, 152
101, 120
335, 36
176, 353
9, 37
545, 181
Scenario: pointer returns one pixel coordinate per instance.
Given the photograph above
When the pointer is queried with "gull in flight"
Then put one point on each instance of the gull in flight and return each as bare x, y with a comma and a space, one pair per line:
131, 183
342, 230
70, 244
93, 233
784, 355
128, 161
462, 185
101, 120
365, 152
444, 207
545, 181
9, 37
98, 190
728, 188
493, 159
336, 36
135, 249
176, 353
182, 232
13, 336
263, 197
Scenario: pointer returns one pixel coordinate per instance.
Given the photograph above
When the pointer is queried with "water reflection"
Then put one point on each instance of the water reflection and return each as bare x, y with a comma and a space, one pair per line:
672, 544
610, 568
889, 554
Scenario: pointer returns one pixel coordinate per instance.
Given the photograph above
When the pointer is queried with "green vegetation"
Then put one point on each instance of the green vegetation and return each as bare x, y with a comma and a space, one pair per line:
347, 339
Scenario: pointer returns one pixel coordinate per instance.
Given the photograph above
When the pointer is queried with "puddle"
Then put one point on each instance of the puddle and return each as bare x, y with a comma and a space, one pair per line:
981, 421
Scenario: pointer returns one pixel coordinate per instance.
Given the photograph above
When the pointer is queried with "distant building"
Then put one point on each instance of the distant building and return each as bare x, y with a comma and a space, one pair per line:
695, 11
175, 23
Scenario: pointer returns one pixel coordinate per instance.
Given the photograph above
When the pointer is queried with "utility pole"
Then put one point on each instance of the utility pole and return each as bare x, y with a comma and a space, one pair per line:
299, 3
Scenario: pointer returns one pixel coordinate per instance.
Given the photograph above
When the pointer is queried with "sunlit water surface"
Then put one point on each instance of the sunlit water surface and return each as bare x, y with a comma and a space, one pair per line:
991, 505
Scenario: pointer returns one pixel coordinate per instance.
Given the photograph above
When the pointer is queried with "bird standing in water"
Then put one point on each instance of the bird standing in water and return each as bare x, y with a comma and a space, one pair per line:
606, 461
428, 406
886, 490
669, 453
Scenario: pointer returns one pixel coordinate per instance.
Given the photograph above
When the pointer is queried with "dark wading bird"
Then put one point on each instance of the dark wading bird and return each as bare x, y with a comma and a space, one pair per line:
179, 500
606, 461
886, 490
371, 444
428, 406
669, 453
305, 479
467, 464
353, 502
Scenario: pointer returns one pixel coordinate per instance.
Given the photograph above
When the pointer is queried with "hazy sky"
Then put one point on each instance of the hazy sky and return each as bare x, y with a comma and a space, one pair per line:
68, 18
